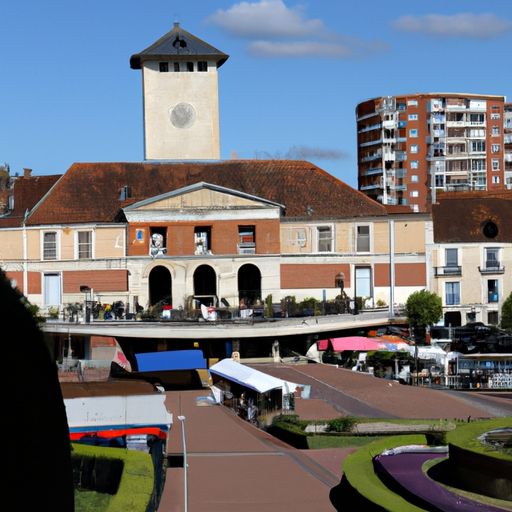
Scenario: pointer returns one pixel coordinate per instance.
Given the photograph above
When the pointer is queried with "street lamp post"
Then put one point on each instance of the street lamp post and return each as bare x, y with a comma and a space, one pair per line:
185, 483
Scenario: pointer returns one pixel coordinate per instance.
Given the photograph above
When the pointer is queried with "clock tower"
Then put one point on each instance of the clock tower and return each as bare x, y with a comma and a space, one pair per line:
181, 97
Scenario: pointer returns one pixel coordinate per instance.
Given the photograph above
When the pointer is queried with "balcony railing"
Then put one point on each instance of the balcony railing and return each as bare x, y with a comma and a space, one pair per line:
492, 267
371, 157
447, 271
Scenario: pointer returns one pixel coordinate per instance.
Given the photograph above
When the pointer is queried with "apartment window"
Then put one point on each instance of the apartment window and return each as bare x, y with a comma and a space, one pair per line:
412, 103
493, 290
363, 239
439, 181
415, 208
176, 67
451, 256
495, 148
495, 131
246, 240
495, 164
495, 180
477, 118
203, 239
413, 133
452, 294
84, 239
190, 67
495, 116
478, 146
478, 165
415, 178
413, 117
324, 239
157, 241
202, 65
414, 193
492, 318
164, 67
492, 257
50, 246
301, 237
414, 164
413, 148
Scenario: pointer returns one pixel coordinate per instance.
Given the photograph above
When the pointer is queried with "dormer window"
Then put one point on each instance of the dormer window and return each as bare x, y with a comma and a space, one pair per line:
125, 193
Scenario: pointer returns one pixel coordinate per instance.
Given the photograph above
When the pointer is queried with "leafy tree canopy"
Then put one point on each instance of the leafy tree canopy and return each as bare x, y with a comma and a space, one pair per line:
423, 308
506, 313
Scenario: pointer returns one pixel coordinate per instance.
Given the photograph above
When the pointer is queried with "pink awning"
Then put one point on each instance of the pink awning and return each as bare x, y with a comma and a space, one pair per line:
351, 343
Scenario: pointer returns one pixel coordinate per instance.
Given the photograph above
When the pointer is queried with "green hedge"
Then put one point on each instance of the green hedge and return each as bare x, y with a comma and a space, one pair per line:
290, 429
136, 481
358, 470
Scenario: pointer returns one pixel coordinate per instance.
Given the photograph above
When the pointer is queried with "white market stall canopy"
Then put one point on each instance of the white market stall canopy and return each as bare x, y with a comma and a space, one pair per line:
250, 378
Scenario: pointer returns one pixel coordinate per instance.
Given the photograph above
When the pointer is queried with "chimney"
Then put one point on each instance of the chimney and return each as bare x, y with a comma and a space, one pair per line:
27, 173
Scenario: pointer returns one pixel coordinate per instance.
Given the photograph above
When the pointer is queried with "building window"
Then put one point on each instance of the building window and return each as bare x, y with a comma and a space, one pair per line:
414, 164
492, 318
493, 290
190, 67
157, 241
477, 118
415, 208
324, 239
492, 259
495, 164
412, 103
478, 165
363, 239
176, 67
452, 258
415, 178
414, 148
439, 181
50, 246
495, 148
478, 146
203, 239
413, 133
246, 240
164, 67
414, 193
202, 65
496, 180
413, 117
84, 239
452, 294
495, 116
495, 131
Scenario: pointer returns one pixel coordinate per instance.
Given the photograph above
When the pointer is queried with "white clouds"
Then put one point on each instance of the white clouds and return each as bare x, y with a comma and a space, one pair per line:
278, 31
466, 25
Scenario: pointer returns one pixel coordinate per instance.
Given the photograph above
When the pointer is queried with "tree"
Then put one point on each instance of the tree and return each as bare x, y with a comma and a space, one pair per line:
506, 313
422, 309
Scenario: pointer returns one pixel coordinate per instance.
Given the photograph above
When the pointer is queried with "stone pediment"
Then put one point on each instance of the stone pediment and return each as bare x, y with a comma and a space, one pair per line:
202, 200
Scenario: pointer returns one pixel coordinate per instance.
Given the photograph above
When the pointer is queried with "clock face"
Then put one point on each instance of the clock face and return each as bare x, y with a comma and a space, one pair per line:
183, 115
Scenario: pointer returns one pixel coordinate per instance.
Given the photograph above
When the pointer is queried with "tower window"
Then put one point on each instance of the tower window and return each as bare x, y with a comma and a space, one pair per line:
202, 65
164, 67
190, 67
176, 67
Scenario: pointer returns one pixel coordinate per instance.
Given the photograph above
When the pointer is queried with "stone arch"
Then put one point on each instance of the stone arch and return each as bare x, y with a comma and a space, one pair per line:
160, 285
249, 284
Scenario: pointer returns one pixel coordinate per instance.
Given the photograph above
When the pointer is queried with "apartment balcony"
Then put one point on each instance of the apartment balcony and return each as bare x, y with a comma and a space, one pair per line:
401, 156
370, 143
400, 187
401, 139
373, 186
492, 267
390, 125
377, 126
372, 171
370, 158
447, 271
507, 157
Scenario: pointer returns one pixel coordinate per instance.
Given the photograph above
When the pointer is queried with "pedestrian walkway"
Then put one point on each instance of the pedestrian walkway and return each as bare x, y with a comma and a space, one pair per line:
234, 466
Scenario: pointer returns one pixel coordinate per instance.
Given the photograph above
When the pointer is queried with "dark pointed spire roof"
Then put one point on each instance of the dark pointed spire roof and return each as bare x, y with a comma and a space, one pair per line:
178, 43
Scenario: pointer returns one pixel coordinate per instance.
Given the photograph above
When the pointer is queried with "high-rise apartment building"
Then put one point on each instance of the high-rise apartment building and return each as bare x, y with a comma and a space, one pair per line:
411, 147
507, 141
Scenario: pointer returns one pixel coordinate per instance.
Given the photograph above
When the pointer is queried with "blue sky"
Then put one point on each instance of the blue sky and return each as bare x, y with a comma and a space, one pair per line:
289, 89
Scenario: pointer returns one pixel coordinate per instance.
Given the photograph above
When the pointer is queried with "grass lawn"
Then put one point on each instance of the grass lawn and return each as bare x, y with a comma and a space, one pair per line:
326, 441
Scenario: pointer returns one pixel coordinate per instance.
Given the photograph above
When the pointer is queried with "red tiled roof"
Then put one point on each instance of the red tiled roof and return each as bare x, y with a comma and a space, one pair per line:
27, 191
89, 192
462, 217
